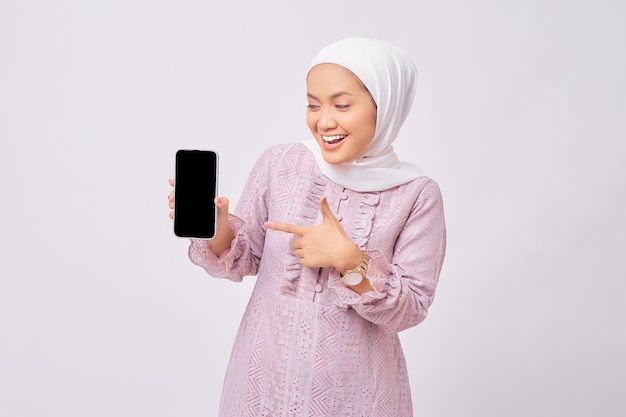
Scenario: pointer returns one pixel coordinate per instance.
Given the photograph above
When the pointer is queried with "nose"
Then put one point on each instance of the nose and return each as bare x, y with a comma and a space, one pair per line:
326, 120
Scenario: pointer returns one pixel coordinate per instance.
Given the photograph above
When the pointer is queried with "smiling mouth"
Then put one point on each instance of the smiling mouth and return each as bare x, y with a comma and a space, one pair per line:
331, 140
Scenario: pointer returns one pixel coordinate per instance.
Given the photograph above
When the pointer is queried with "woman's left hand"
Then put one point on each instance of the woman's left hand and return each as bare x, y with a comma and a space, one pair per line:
324, 245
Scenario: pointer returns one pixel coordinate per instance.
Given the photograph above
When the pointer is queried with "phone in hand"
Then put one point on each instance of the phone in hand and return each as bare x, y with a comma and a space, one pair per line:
195, 188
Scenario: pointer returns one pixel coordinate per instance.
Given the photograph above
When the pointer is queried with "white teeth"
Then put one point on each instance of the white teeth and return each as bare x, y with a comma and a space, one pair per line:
333, 138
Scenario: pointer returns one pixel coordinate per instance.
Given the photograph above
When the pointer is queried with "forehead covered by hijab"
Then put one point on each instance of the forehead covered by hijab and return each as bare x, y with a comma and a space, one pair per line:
387, 72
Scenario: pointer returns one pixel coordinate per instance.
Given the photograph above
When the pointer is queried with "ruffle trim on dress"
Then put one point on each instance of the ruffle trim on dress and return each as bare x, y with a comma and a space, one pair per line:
382, 279
310, 212
219, 267
364, 219
379, 274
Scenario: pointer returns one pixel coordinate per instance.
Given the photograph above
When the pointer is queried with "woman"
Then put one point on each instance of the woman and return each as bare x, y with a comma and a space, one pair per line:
347, 243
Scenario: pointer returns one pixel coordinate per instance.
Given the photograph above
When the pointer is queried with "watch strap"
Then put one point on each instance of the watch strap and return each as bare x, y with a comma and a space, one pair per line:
360, 269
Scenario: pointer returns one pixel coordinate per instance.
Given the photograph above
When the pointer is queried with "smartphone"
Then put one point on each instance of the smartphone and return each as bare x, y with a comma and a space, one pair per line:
195, 188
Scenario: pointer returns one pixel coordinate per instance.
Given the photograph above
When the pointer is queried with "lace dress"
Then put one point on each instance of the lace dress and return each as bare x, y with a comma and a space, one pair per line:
308, 345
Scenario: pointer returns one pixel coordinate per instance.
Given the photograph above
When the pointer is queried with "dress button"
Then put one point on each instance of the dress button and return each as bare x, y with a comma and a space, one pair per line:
344, 196
318, 287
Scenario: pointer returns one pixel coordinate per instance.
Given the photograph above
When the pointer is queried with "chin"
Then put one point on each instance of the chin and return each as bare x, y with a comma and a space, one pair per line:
336, 161
331, 159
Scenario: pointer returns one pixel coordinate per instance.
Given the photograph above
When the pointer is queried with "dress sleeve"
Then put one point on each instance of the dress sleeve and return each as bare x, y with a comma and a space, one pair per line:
244, 254
404, 286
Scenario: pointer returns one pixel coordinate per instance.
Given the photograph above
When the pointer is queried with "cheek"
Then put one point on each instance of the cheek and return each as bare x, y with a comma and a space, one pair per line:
367, 125
365, 122
370, 121
372, 117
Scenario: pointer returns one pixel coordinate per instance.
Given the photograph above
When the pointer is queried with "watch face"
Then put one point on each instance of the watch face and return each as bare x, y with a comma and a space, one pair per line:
353, 278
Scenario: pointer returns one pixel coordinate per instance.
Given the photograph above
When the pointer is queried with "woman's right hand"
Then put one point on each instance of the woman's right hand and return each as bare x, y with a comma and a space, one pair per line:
170, 199
223, 234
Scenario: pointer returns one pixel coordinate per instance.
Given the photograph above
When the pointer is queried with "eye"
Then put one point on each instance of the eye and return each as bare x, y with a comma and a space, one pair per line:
313, 107
342, 106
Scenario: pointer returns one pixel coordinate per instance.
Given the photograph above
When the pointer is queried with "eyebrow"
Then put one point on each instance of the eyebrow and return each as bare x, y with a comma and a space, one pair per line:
333, 96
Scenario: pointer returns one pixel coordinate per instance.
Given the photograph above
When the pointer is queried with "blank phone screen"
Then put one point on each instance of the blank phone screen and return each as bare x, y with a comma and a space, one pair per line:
194, 194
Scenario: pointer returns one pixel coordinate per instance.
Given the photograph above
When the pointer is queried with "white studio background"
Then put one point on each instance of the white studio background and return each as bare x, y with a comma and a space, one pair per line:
520, 117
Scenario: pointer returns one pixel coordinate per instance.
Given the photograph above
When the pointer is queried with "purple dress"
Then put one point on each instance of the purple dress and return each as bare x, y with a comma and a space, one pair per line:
307, 344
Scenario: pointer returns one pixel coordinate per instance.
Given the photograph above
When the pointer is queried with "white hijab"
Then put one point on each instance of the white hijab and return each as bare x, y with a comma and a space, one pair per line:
390, 76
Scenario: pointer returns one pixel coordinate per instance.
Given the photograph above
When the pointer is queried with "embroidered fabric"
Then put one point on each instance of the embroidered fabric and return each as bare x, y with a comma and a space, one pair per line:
309, 215
308, 345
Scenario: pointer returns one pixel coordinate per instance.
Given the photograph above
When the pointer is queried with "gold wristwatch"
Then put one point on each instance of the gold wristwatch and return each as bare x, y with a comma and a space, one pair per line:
352, 277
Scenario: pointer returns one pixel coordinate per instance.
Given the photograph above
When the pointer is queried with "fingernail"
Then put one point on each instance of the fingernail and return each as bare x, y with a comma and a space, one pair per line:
219, 201
267, 225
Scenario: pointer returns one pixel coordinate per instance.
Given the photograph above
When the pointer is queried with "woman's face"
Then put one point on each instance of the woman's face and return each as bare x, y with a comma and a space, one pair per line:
341, 113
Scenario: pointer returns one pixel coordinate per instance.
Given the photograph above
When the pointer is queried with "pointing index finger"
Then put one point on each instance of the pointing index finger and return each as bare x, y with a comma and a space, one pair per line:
285, 227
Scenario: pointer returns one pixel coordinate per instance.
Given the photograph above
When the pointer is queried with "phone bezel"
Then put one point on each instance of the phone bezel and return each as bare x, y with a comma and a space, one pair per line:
177, 226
